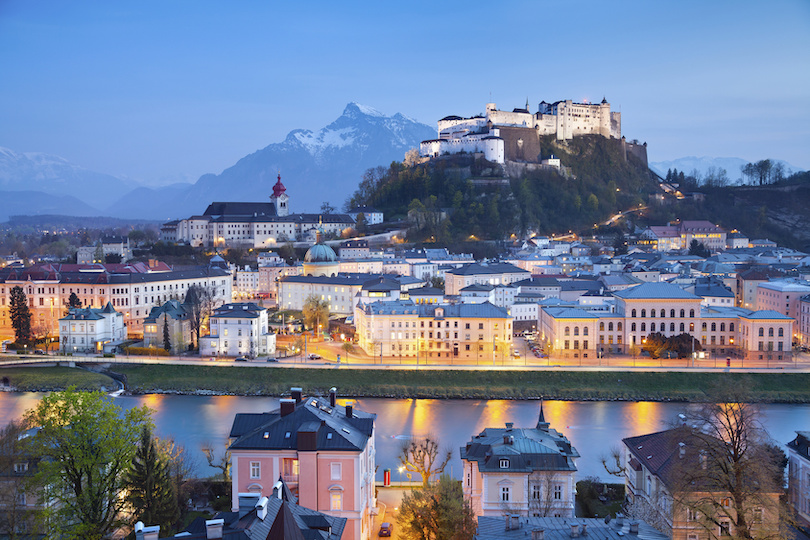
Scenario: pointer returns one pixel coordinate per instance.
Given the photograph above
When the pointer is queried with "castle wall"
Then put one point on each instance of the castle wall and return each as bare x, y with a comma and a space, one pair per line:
520, 144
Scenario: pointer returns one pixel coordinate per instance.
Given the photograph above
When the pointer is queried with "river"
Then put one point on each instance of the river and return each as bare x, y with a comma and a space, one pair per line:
592, 426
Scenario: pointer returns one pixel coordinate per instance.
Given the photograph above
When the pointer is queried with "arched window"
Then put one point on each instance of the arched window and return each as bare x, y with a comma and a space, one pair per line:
652, 313
672, 326
652, 327
770, 331
643, 327
576, 330
632, 327
682, 327
781, 332
714, 327
722, 327
633, 313
619, 326
602, 326
730, 327
703, 327
683, 314
585, 331
671, 313
643, 313
610, 326
567, 330
761, 332
691, 313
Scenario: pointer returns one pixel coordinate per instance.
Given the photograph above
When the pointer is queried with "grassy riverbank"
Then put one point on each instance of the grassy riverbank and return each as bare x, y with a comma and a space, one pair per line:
43, 379
566, 385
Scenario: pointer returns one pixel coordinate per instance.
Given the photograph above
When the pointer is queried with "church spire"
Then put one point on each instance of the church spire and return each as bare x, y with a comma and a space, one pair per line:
527, 104
541, 421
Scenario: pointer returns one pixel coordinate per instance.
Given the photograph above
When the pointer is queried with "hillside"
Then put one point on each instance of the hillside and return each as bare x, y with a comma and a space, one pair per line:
454, 197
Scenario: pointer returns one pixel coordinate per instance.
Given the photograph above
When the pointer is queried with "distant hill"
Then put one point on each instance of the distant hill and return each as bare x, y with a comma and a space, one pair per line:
703, 164
316, 166
37, 203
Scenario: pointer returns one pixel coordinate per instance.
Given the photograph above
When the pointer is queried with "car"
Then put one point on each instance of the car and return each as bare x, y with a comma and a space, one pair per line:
516, 354
271, 359
314, 357
385, 529
240, 359
39, 351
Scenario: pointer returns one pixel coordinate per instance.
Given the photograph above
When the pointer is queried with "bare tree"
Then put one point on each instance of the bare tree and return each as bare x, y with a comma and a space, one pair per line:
541, 493
199, 303
422, 456
221, 461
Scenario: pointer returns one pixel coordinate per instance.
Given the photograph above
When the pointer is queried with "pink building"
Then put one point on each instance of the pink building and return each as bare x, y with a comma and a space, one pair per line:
784, 297
323, 451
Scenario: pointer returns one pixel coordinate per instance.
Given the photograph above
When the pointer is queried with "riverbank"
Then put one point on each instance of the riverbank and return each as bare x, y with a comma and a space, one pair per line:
445, 384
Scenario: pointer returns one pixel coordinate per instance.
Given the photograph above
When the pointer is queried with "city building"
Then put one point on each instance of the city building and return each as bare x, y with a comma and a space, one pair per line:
520, 471
482, 274
654, 466
107, 245
799, 476
274, 517
238, 329
354, 249
434, 331
783, 296
679, 235
372, 215
91, 329
175, 317
748, 281
804, 321
323, 451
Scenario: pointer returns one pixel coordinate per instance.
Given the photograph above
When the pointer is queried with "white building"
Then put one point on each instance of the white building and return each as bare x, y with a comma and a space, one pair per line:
246, 283
108, 245
91, 330
238, 329
799, 476
372, 215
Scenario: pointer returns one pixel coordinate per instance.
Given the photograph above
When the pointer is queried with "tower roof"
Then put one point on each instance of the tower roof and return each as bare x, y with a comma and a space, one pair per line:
278, 188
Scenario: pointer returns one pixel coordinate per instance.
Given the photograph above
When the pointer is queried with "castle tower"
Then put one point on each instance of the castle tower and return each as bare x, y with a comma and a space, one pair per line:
280, 198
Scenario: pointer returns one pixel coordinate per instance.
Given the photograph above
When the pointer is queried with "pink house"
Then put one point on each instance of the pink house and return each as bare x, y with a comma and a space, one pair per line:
324, 452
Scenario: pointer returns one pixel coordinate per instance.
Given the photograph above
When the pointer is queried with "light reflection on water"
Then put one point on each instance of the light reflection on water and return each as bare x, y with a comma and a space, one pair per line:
592, 427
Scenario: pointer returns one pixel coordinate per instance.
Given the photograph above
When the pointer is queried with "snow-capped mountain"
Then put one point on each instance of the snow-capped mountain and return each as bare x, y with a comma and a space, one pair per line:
702, 165
315, 166
33, 172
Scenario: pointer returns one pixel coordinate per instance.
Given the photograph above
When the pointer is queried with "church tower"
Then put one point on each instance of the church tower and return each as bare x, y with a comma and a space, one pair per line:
280, 198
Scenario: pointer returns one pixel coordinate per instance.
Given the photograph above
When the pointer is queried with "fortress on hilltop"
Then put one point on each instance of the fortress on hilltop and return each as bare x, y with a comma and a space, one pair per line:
514, 135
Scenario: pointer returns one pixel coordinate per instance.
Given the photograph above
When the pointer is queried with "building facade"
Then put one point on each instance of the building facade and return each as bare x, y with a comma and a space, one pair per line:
238, 329
799, 476
91, 330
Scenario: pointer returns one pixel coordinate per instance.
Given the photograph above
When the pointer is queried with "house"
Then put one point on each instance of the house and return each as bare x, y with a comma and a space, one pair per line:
655, 465
91, 329
238, 329
372, 215
523, 471
175, 317
799, 476
107, 245
482, 274
323, 451
276, 517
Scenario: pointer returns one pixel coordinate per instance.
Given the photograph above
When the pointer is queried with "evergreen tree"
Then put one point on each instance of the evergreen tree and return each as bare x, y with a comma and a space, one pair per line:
151, 491
20, 315
73, 301
167, 344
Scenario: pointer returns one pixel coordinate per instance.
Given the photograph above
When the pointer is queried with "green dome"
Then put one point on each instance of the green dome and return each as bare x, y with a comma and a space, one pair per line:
320, 253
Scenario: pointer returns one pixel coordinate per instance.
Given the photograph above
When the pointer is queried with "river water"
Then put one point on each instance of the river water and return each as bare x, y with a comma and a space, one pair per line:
592, 426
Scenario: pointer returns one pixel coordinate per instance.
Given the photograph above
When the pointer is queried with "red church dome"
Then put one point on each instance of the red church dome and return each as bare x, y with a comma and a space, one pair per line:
279, 188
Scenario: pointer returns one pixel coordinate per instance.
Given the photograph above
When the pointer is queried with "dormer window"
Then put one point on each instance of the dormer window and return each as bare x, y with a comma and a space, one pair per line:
504, 463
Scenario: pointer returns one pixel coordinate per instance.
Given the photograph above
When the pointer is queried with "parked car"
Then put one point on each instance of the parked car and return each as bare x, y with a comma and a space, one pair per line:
314, 357
385, 529
39, 351
240, 359
271, 359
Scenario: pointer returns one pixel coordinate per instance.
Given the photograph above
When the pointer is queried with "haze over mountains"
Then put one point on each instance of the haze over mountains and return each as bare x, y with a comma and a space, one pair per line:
316, 166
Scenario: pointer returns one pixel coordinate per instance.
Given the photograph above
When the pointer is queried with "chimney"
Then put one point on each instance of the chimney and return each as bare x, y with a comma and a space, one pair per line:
681, 450
296, 393
213, 528
515, 521
538, 534
349, 411
332, 396
261, 508
247, 502
287, 406
509, 425
584, 529
634, 527
574, 530
619, 520
146, 533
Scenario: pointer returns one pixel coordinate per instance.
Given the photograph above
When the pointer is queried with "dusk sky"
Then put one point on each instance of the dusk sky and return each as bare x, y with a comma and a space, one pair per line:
167, 91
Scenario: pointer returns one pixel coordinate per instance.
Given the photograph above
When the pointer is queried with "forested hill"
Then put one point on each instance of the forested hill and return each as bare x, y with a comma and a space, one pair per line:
454, 197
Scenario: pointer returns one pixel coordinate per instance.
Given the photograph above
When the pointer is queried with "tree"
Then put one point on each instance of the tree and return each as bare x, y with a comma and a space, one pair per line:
655, 344
74, 301
98, 254
327, 208
287, 252
218, 461
85, 443
620, 244
698, 249
14, 516
199, 304
316, 312
437, 282
20, 315
437, 512
137, 236
150, 490
734, 476
181, 467
167, 343
360, 224
421, 456
113, 258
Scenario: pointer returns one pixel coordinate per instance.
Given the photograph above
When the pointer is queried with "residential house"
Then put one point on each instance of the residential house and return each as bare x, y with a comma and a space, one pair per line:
175, 317
323, 451
523, 471
799, 476
91, 329
238, 329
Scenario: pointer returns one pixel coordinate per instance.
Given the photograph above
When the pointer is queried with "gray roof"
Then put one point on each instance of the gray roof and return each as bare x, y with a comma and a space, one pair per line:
655, 291
557, 528
334, 431
488, 268
238, 310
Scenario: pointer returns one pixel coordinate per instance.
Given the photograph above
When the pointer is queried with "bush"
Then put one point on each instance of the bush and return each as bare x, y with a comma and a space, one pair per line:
146, 351
109, 355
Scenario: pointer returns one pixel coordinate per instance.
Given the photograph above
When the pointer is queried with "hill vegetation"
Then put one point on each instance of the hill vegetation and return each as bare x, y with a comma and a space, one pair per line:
457, 197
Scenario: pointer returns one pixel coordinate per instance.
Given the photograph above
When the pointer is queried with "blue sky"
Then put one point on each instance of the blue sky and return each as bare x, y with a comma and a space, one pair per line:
167, 91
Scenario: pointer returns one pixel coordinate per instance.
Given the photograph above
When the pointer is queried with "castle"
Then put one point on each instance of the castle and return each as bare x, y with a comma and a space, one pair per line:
252, 224
514, 136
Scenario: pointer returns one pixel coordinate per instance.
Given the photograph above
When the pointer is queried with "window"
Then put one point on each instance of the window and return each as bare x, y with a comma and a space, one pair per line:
691, 313
567, 331
255, 470
335, 470
672, 327
558, 492
761, 332
633, 313
781, 332
652, 327
714, 327
610, 327
585, 332
652, 313
683, 314
643, 313
725, 528
576, 330
632, 327
504, 464
671, 313
602, 326
21, 467
536, 492
505, 494
643, 327
336, 498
